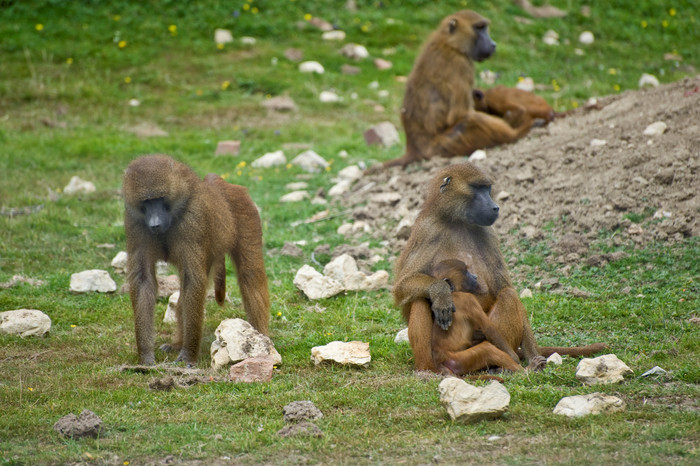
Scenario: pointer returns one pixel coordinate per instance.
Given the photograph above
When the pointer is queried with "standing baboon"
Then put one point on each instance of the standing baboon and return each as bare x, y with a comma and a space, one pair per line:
470, 324
438, 113
172, 215
455, 223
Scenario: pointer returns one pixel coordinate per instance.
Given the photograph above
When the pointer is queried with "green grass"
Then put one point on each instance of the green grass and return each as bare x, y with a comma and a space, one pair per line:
383, 414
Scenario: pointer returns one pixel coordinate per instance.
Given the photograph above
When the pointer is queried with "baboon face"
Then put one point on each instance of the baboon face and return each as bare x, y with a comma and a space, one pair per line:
482, 210
468, 31
465, 194
157, 216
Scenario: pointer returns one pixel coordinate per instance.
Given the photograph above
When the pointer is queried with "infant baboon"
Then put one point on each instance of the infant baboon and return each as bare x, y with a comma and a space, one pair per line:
514, 105
172, 215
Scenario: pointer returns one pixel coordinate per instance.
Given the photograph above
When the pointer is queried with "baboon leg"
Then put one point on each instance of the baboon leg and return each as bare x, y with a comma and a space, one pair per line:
510, 318
220, 280
143, 289
191, 313
252, 281
477, 131
479, 357
420, 326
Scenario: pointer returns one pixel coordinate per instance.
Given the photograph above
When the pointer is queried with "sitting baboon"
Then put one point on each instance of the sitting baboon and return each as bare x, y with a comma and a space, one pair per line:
438, 113
172, 215
455, 223
514, 105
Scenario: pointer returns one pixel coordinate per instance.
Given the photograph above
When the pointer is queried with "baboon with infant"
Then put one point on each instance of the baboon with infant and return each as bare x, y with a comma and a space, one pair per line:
455, 224
173, 215
438, 112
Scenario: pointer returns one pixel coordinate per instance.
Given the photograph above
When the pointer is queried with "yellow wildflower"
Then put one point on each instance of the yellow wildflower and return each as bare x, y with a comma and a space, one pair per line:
241, 164
220, 46
239, 173
173, 29
612, 71
127, 79
116, 17
664, 23
225, 85
69, 60
279, 314
616, 87
574, 104
644, 23
39, 27
122, 44
246, 7
254, 10
672, 12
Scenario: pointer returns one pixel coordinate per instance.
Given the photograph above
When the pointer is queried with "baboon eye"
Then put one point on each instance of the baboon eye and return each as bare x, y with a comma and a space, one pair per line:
444, 184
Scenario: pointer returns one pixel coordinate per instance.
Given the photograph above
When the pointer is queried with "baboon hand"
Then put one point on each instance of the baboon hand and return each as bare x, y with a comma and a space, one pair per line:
441, 303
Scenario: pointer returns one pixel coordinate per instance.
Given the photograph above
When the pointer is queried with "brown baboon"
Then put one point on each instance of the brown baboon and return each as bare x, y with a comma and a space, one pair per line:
171, 214
470, 324
513, 105
438, 113
455, 223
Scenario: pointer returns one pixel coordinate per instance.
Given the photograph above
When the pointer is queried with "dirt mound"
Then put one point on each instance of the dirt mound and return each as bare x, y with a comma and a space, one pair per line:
588, 172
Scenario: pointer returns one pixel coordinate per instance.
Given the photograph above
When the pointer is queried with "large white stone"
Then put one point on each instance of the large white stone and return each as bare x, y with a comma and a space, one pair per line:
315, 285
350, 173
355, 51
237, 340
655, 129
583, 405
77, 185
344, 269
119, 261
25, 322
355, 353
92, 280
340, 188
467, 403
170, 317
311, 67
294, 196
222, 36
604, 369
333, 35
271, 159
310, 161
401, 336
648, 80
328, 97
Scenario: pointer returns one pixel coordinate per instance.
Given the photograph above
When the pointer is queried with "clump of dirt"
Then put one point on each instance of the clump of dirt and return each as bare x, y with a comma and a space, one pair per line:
558, 187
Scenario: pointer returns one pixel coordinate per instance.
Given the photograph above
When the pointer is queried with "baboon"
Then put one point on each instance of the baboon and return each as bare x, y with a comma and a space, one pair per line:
514, 105
455, 223
470, 324
172, 215
438, 113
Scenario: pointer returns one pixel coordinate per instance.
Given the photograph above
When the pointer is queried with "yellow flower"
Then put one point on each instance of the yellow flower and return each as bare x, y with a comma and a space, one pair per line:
289, 165
199, 92
612, 71
30, 389
220, 46
364, 28
126, 463
307, 17
616, 87
279, 314
225, 175
39, 27
73, 325
664, 23
644, 23
122, 44
127, 79
268, 96
69, 60
246, 7
254, 10
672, 12
225, 85
241, 164
328, 168
173, 29
116, 17
574, 104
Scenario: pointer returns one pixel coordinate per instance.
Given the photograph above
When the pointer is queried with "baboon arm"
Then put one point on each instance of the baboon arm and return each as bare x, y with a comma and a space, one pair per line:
143, 290
420, 327
421, 286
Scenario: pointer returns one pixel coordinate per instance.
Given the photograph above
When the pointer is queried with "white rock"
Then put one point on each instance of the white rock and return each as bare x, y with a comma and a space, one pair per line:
92, 280
247, 40
236, 340
314, 285
355, 51
310, 161
119, 261
373, 85
271, 159
478, 154
387, 198
502, 195
402, 336
344, 229
280, 103
170, 316
551, 38
467, 403
134, 102
526, 293
222, 36
355, 353
311, 67
343, 153
25, 323
648, 80
344, 269
488, 77
655, 129
333, 35
296, 186
383, 133
583, 405
341, 187
350, 173
79, 186
555, 358
526, 84
353, 228
586, 38
604, 369
294, 196
598, 142
328, 97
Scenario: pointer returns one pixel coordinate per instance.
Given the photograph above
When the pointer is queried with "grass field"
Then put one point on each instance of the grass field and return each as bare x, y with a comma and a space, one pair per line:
68, 73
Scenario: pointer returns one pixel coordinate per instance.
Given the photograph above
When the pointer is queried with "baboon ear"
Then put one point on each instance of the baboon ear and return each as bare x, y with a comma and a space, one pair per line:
452, 26
444, 184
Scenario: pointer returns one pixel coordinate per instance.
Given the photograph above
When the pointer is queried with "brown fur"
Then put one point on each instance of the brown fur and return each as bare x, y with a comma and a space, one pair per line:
442, 232
210, 219
468, 318
438, 113
513, 105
